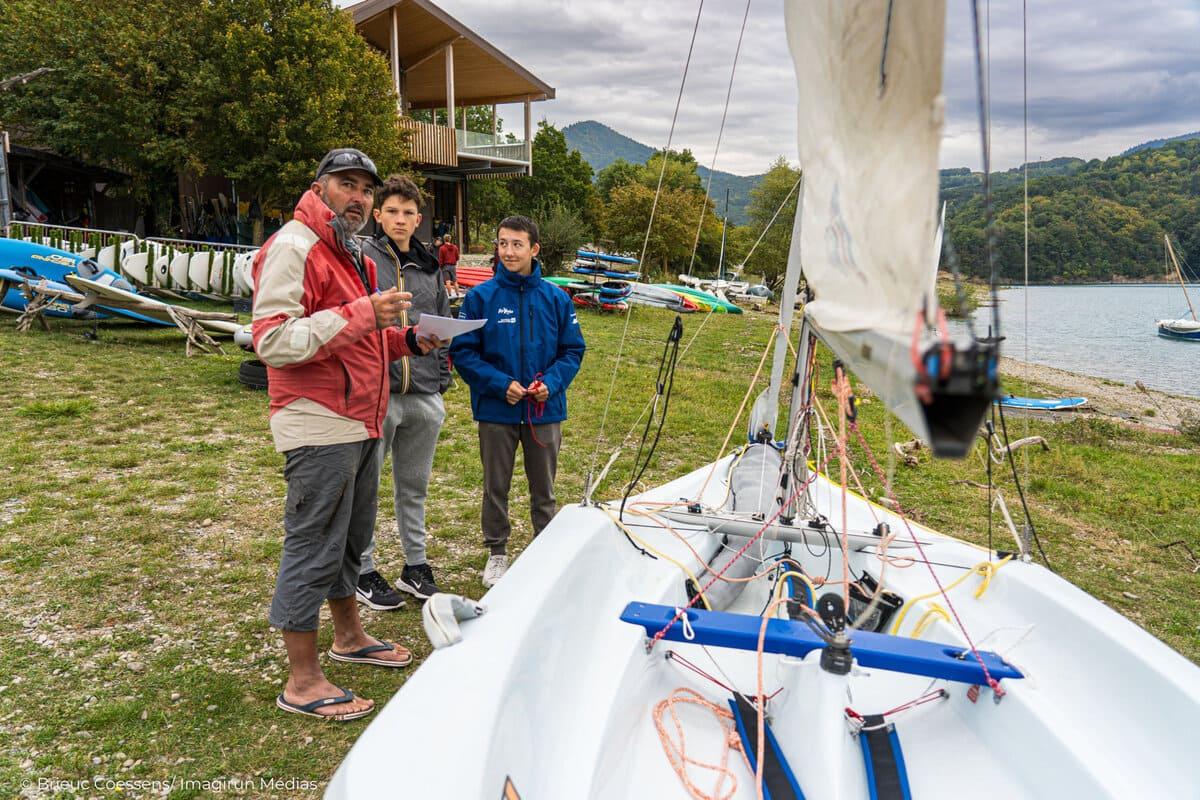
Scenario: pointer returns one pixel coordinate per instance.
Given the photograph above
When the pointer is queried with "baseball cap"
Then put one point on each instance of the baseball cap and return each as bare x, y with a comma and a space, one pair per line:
344, 159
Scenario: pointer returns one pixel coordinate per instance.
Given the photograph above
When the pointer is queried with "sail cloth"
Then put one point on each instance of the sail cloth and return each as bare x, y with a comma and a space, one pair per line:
869, 151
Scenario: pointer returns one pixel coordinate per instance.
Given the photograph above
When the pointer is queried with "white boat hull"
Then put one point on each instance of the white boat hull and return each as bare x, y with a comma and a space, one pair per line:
549, 688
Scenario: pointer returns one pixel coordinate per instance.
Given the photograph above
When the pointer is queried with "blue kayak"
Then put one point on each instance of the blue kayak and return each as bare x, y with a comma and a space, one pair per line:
1042, 404
606, 257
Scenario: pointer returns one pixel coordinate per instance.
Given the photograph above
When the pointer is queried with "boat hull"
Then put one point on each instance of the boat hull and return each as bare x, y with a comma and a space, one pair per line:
549, 689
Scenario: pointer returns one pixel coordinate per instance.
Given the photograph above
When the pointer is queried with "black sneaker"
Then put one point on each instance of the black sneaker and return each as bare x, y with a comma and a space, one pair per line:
418, 581
375, 592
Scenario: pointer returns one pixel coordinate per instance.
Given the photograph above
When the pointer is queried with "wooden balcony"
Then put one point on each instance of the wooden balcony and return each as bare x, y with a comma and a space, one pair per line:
428, 144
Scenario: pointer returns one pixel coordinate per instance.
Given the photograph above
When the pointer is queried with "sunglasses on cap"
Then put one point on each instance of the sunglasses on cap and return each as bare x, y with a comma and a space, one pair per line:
348, 159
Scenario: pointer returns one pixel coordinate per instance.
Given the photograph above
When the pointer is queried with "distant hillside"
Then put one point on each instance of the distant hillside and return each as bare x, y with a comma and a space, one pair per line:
1089, 221
600, 146
961, 184
1153, 143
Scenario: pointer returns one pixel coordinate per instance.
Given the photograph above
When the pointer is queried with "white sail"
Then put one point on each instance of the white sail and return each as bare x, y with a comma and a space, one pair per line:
869, 151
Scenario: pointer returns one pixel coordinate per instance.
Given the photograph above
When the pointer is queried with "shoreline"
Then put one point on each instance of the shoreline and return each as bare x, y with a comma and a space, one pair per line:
1106, 397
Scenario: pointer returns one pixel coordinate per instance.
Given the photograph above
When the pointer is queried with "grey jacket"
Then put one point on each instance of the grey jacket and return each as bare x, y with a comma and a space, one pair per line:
417, 273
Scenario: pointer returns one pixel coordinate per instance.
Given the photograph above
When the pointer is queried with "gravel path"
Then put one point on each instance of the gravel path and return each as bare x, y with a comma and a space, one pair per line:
1106, 397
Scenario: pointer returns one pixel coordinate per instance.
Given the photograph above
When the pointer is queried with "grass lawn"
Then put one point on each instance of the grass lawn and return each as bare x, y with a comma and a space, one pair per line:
140, 528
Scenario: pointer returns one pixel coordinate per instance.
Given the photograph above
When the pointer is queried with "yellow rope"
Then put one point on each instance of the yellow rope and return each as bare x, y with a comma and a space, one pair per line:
985, 569
793, 574
645, 546
935, 610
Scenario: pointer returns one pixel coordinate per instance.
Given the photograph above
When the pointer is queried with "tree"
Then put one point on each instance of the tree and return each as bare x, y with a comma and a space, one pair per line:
306, 83
560, 177
490, 202
618, 173
627, 213
770, 257
681, 171
562, 232
114, 97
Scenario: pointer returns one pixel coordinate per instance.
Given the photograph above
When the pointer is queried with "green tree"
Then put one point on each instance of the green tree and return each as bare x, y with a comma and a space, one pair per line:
625, 216
562, 231
490, 202
114, 98
305, 83
681, 172
618, 173
560, 177
770, 256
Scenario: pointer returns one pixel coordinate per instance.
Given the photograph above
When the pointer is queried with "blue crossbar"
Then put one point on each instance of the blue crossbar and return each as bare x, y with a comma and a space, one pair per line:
879, 650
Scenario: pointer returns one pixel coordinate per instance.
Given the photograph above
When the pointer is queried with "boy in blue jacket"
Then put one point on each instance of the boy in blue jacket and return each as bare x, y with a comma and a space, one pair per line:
518, 366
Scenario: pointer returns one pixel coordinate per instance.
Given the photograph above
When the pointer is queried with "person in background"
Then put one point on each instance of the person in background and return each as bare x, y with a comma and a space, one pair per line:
415, 409
518, 366
448, 261
326, 333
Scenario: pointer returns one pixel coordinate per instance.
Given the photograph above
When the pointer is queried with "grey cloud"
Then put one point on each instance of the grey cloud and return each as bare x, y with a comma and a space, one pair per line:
1102, 76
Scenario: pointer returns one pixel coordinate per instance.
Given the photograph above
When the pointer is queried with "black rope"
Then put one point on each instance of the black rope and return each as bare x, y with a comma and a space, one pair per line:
1021, 492
990, 427
664, 383
988, 214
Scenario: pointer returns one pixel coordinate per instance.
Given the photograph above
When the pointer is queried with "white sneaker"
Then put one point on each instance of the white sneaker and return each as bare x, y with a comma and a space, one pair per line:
494, 571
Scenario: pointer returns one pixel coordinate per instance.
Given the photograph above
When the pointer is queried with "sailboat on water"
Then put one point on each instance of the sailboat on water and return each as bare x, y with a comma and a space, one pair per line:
790, 638
1182, 328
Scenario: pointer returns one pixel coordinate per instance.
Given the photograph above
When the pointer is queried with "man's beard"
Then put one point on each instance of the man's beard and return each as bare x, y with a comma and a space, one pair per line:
349, 226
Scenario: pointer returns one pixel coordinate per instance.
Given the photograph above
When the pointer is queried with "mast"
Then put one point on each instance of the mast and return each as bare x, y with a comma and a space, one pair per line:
1179, 273
724, 228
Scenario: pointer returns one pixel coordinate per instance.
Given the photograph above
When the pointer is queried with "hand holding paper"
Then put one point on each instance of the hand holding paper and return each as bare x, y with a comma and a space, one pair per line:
446, 328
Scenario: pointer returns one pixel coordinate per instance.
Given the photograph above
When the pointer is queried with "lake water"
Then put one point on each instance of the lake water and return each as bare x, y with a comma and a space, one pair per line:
1107, 331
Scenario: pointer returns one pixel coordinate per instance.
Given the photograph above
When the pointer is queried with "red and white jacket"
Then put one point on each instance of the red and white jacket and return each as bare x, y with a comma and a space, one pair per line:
314, 328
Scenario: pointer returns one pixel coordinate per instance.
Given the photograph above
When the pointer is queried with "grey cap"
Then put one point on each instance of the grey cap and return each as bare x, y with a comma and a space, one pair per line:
345, 159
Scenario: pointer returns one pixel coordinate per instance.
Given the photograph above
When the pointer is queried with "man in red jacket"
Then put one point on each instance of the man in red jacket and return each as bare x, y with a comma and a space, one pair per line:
448, 260
326, 334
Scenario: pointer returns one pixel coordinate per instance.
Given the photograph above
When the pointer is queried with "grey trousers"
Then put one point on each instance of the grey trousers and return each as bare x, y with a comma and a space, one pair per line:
332, 498
410, 434
498, 452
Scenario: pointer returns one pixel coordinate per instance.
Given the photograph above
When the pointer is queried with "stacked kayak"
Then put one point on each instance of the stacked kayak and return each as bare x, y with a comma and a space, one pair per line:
605, 265
705, 300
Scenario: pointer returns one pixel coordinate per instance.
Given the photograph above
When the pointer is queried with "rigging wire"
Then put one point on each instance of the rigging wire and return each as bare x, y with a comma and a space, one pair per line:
645, 243
720, 133
985, 140
1025, 170
1021, 491
664, 383
774, 216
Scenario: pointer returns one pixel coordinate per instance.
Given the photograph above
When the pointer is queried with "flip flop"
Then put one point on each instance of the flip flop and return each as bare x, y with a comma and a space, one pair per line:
309, 709
363, 656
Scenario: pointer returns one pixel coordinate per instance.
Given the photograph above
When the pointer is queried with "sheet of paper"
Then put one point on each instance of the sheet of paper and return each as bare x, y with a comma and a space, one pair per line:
446, 327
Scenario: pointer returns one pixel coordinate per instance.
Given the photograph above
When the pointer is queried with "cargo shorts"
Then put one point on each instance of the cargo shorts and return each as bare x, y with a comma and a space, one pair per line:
328, 519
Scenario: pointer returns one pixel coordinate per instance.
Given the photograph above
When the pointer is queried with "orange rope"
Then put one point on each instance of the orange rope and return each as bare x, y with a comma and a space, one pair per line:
676, 749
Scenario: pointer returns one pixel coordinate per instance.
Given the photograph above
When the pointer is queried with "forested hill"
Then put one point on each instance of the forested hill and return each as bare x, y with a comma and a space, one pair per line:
1089, 221
600, 146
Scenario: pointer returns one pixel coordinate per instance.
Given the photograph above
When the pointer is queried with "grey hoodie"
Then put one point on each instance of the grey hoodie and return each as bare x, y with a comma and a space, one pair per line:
415, 271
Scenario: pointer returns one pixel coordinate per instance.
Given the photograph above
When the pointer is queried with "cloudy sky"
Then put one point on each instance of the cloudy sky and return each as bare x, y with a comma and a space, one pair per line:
1102, 76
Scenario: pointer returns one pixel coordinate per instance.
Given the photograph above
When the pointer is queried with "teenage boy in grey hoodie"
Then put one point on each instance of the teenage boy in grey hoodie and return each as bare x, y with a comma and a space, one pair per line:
415, 409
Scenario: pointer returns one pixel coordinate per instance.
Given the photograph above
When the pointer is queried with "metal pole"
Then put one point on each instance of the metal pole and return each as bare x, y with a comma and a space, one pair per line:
5, 200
